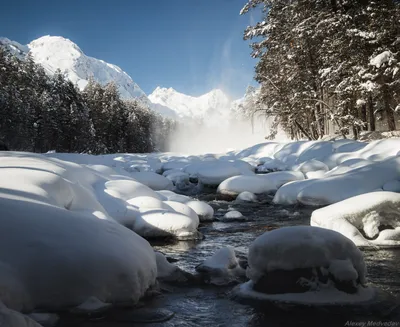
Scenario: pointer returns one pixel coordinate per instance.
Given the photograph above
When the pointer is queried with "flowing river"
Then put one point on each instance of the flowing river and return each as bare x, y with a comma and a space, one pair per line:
212, 306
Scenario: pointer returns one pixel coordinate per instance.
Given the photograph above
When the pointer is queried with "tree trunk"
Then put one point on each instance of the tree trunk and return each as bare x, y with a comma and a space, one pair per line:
391, 122
371, 115
355, 132
364, 116
303, 130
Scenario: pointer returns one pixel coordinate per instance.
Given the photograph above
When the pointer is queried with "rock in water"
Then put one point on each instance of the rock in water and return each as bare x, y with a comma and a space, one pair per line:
305, 265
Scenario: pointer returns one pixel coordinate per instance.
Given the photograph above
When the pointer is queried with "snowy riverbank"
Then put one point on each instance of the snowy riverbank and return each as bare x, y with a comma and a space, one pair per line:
65, 215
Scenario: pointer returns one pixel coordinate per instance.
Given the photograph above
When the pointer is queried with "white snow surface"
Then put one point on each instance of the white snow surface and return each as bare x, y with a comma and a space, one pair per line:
50, 200
78, 256
366, 212
289, 248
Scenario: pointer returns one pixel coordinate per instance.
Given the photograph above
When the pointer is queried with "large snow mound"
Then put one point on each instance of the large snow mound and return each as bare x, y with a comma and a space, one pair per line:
78, 257
296, 247
369, 219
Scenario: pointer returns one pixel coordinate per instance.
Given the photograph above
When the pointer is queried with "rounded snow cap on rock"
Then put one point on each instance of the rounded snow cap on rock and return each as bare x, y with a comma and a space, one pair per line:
305, 252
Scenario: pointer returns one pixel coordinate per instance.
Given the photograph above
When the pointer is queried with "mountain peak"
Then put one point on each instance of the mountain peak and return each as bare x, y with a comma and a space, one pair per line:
186, 106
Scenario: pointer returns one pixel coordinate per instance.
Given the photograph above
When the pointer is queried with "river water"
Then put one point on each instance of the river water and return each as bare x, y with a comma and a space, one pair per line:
212, 306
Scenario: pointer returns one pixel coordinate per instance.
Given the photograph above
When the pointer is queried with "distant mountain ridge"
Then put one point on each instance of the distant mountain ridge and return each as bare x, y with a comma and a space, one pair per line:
55, 52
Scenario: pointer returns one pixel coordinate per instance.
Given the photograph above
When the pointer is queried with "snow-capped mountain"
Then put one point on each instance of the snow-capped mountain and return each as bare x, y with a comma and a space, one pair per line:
211, 104
13, 47
55, 52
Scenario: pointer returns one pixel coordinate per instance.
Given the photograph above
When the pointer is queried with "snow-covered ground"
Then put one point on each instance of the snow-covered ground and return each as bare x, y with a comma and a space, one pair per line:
65, 216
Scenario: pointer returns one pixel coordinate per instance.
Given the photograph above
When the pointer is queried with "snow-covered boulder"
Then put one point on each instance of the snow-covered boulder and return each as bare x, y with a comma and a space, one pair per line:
315, 151
145, 203
158, 223
266, 165
174, 164
258, 184
78, 257
305, 264
246, 197
155, 181
128, 189
167, 272
232, 215
315, 174
164, 195
202, 209
368, 220
312, 165
358, 181
217, 173
183, 209
239, 184
222, 268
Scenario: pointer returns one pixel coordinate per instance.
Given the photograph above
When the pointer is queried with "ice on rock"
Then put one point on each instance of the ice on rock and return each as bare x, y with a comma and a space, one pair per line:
246, 197
162, 223
305, 264
77, 256
371, 219
222, 268
202, 209
155, 181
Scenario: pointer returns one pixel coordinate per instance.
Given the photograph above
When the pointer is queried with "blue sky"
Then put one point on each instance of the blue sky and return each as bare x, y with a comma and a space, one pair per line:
190, 45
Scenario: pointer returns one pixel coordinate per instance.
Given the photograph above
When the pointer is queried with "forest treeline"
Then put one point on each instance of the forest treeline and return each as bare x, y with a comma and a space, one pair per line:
40, 112
327, 65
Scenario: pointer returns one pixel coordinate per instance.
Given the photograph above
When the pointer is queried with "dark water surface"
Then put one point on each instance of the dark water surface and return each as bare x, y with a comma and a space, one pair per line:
212, 306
